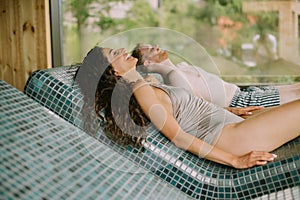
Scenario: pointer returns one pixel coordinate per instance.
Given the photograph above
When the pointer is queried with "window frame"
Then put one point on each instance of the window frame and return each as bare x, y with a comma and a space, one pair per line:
56, 32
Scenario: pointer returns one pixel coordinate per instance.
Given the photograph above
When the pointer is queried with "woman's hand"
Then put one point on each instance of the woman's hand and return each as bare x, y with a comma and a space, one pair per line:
244, 112
253, 158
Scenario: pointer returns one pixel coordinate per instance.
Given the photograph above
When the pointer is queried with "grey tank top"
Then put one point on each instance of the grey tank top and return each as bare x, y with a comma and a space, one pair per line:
197, 116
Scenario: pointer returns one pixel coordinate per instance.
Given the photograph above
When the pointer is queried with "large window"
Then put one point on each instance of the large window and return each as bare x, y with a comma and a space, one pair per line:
245, 45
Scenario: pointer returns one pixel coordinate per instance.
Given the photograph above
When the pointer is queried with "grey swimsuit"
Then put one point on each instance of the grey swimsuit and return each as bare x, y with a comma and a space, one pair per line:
197, 116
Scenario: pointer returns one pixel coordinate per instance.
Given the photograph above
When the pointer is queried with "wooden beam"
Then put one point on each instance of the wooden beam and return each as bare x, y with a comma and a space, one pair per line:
267, 6
25, 39
296, 10
296, 7
288, 24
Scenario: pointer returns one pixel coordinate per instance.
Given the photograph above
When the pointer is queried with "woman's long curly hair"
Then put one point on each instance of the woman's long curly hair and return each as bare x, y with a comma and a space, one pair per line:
111, 100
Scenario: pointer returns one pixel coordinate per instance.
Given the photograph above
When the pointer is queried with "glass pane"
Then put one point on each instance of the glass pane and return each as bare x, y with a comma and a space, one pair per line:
245, 42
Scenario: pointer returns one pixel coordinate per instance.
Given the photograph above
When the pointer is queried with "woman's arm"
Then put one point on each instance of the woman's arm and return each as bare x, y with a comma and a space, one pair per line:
168, 126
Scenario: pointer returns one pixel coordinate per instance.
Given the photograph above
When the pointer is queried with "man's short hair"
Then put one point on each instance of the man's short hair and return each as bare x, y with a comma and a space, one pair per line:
138, 54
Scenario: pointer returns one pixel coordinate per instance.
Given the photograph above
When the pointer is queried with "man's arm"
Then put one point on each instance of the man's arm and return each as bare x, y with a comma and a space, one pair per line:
171, 75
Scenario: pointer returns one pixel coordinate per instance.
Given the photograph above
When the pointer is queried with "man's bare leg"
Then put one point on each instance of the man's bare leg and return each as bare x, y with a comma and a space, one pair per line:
289, 93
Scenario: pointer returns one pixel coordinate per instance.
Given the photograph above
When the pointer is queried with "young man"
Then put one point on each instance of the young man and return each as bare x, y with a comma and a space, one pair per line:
210, 86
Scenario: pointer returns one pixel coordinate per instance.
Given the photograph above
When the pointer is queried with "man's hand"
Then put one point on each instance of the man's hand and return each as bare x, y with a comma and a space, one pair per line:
162, 68
131, 75
244, 112
151, 79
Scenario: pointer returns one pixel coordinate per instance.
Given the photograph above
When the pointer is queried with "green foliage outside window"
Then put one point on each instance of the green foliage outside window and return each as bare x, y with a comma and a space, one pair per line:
197, 19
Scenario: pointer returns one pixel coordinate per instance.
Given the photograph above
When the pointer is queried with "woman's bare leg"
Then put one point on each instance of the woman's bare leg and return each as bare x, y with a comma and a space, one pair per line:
289, 93
265, 131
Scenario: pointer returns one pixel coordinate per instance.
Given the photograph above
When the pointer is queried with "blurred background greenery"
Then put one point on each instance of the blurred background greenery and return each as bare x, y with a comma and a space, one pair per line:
220, 26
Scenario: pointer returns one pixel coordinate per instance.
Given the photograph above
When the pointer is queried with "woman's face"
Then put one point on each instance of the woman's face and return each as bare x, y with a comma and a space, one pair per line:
120, 60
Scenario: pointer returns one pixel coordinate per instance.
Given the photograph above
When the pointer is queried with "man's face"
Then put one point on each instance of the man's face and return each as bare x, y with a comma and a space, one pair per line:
153, 53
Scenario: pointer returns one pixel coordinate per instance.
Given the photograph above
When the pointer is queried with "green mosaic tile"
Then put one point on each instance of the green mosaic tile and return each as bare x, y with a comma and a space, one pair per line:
164, 159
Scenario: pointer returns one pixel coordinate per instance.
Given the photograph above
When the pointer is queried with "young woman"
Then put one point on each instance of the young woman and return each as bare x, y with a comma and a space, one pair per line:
126, 103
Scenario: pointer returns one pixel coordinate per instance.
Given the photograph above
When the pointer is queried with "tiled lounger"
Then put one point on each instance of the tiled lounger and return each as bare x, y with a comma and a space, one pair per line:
44, 157
199, 178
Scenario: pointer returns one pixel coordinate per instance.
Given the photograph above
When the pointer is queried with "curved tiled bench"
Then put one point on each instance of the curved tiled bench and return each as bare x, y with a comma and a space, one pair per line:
44, 157
199, 178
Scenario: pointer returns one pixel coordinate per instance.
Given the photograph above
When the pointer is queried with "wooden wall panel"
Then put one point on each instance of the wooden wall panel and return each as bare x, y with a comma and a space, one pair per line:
24, 38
